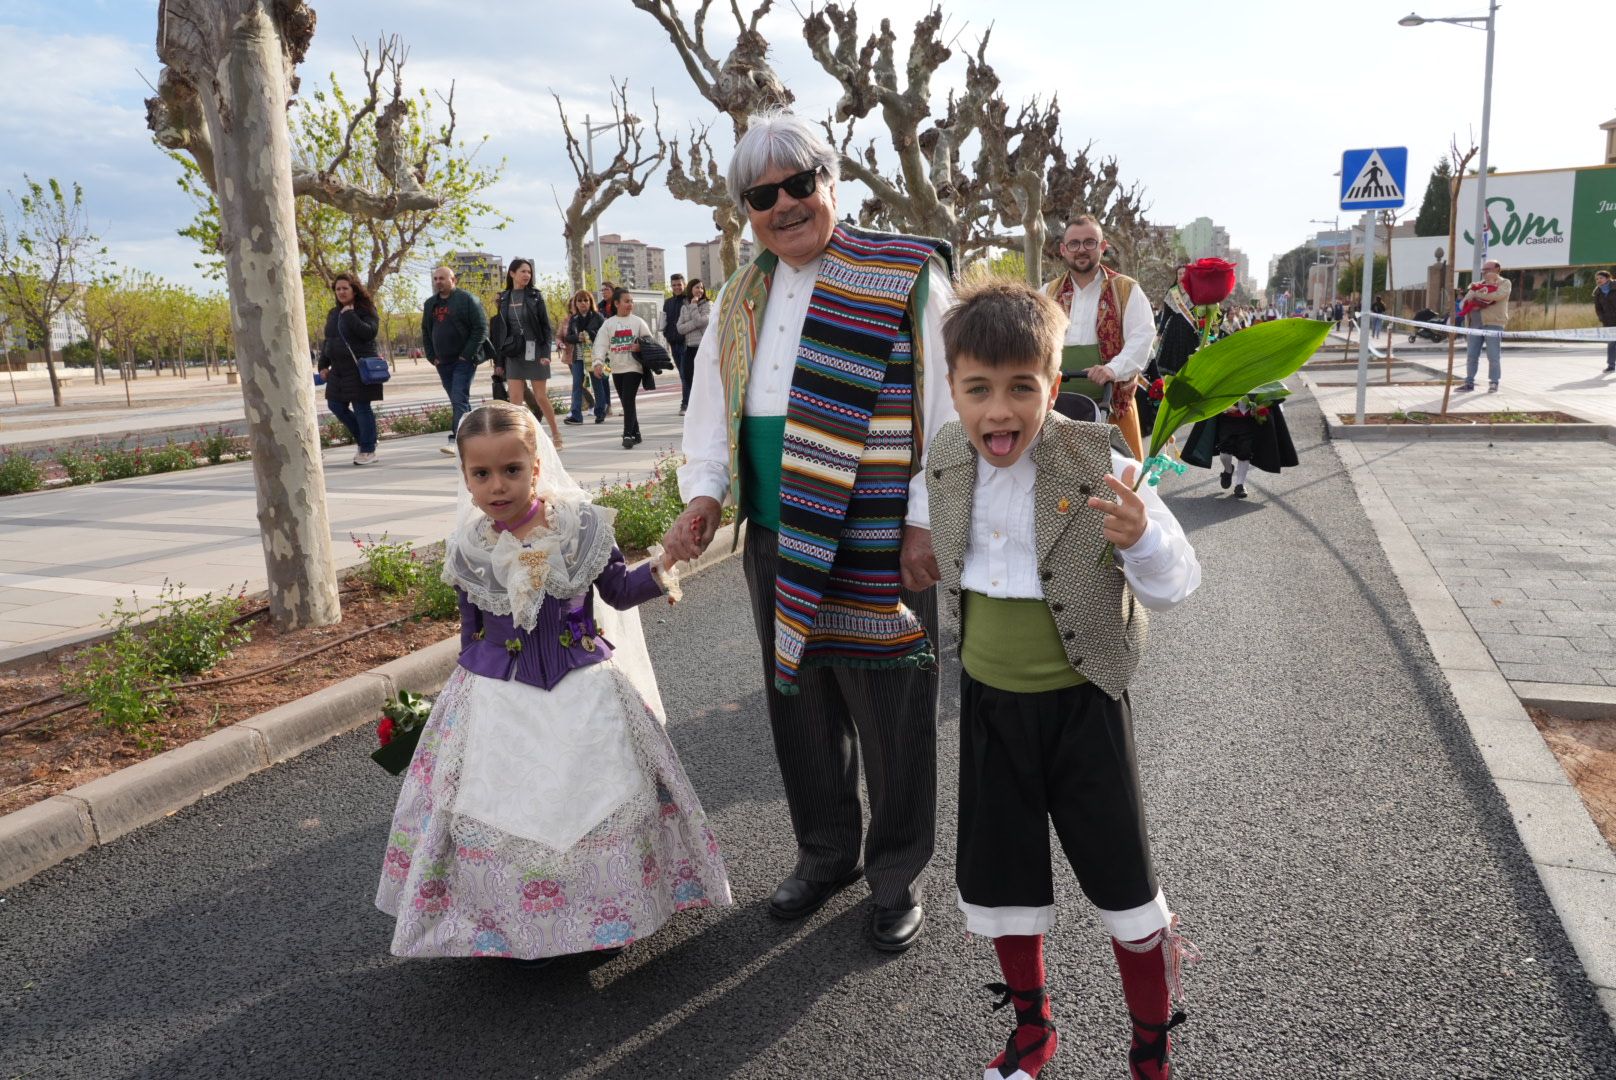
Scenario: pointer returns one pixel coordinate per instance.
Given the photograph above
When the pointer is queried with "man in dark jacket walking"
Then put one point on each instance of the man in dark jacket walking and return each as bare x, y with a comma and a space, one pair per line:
453, 327
1605, 308
676, 342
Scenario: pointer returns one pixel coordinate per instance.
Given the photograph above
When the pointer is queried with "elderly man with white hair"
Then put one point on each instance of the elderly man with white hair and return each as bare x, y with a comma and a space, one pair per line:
815, 388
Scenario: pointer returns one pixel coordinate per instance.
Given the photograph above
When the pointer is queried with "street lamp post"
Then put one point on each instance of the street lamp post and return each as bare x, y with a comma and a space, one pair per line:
1335, 251
589, 156
1489, 21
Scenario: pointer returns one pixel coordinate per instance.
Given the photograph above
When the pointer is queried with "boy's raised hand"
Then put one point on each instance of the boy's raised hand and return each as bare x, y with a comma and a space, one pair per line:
1125, 519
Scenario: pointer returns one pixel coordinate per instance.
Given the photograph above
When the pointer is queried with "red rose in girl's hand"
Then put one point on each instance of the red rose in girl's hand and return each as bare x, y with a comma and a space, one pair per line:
1262, 410
1208, 281
384, 730
1157, 389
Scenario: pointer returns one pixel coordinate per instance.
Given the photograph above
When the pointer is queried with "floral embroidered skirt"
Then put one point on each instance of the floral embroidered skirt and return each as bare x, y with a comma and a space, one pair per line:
488, 854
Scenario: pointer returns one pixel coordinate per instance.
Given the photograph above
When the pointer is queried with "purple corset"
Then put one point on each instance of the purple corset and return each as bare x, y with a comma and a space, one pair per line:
563, 638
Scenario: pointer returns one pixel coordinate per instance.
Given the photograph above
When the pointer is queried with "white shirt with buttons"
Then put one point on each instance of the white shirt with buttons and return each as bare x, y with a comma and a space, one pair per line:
1001, 556
1138, 326
768, 388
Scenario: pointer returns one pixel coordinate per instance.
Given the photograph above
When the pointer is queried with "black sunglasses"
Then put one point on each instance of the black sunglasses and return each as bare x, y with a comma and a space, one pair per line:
800, 186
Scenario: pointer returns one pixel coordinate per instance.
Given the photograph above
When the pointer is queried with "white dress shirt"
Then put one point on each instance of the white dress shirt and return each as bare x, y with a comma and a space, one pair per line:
768, 388
1001, 556
1138, 326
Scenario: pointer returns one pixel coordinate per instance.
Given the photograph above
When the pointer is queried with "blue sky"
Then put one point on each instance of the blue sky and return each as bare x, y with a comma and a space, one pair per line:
1238, 111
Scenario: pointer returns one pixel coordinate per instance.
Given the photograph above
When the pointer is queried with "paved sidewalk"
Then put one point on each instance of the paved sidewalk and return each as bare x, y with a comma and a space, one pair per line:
66, 555
1536, 378
1523, 535
165, 404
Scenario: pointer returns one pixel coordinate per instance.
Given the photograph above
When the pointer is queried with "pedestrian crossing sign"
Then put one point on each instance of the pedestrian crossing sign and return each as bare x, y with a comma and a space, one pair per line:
1374, 179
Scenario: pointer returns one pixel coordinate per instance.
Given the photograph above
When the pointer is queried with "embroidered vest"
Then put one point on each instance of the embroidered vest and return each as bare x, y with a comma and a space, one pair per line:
1113, 302
1101, 625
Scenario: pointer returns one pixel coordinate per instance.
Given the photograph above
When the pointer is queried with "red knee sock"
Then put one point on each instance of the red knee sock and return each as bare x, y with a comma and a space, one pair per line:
1145, 965
1021, 958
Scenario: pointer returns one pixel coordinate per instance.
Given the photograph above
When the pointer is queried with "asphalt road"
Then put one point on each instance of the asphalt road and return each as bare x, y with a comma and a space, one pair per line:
1321, 820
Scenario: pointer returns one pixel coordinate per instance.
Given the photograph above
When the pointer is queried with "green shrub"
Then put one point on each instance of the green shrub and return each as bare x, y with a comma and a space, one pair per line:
126, 678
19, 473
332, 433
438, 418
646, 510
171, 457
81, 468
435, 599
121, 464
193, 634
394, 569
122, 685
408, 424
215, 444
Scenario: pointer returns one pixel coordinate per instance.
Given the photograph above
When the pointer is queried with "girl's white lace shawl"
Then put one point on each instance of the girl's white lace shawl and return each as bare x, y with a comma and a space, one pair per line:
561, 558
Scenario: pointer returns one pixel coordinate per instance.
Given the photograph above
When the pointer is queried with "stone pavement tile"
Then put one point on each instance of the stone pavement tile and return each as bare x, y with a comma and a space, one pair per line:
1586, 902
1486, 697
1601, 647
66, 611
1514, 748
1560, 673
28, 597
1459, 650
1556, 827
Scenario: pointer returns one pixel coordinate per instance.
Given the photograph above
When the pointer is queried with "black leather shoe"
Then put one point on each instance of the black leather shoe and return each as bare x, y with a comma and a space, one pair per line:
895, 929
1225, 478
797, 898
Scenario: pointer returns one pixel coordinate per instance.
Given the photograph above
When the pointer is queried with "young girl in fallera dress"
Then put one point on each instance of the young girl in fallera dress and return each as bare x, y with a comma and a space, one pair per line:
545, 812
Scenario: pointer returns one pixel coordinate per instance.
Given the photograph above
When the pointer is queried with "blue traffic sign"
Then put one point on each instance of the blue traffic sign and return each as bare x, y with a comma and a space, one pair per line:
1374, 179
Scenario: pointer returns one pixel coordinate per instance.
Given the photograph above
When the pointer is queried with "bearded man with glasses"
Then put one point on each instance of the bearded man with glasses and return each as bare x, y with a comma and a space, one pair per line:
815, 386
1111, 328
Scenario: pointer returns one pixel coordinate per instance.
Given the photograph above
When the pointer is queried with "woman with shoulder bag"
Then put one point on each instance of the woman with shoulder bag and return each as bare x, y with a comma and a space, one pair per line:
583, 324
520, 330
350, 333
691, 326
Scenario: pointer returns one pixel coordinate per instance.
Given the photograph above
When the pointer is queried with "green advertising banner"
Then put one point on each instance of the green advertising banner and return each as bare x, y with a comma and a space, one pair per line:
1593, 217
1551, 218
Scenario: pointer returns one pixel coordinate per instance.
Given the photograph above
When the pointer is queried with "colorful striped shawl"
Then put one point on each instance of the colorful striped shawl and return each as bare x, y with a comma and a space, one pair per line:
844, 481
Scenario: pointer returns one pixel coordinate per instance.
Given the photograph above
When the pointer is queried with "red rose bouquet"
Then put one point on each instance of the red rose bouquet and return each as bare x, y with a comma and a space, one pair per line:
399, 729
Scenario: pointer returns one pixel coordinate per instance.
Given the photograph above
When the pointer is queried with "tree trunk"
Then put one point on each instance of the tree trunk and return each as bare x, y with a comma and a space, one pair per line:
576, 269
730, 224
50, 369
254, 173
1032, 243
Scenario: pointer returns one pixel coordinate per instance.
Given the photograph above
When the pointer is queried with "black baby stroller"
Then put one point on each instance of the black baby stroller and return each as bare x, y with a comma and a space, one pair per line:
1426, 315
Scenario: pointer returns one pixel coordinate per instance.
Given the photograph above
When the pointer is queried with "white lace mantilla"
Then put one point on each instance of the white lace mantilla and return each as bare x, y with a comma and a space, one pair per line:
561, 557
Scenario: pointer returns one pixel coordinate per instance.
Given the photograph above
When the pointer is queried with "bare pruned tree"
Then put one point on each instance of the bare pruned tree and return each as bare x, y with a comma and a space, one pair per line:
1011, 166
625, 174
229, 73
931, 193
743, 84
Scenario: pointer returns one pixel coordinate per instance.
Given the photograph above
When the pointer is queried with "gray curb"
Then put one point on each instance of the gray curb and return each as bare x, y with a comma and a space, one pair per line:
1575, 865
38, 837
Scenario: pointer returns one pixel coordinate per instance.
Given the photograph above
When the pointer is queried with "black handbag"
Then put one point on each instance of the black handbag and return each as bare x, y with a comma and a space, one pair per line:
653, 357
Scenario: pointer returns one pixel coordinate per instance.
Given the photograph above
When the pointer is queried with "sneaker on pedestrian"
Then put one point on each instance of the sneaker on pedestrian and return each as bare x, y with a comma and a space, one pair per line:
365, 459
1467, 387
1240, 491
1492, 388
1610, 368
573, 420
1225, 478
600, 418
628, 442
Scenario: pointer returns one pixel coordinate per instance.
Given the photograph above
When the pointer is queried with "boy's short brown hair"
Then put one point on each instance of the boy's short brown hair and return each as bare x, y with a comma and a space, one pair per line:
1003, 323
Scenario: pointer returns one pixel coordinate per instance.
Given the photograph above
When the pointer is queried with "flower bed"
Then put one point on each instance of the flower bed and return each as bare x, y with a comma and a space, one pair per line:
20, 472
1505, 417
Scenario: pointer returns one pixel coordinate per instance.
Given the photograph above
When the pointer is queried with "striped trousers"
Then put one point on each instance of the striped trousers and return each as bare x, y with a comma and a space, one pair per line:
886, 715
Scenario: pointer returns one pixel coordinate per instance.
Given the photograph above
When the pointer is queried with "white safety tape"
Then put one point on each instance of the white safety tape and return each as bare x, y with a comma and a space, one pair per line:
1594, 333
